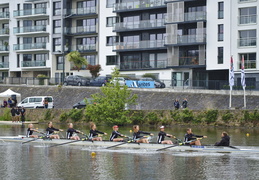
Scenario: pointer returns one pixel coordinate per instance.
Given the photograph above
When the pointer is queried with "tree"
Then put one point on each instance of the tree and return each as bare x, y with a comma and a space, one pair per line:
76, 58
110, 106
94, 70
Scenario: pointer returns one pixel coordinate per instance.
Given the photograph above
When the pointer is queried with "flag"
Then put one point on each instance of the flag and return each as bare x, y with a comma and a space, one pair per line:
243, 77
231, 74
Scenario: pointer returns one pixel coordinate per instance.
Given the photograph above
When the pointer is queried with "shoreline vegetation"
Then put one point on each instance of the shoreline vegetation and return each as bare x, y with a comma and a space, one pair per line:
209, 117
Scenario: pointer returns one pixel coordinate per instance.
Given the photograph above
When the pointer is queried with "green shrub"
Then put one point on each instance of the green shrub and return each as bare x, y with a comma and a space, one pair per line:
76, 114
152, 118
63, 117
227, 116
175, 115
186, 115
47, 115
137, 117
211, 116
6, 115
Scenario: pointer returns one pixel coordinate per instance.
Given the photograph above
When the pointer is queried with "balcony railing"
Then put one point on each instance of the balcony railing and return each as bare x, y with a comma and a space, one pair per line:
247, 42
132, 5
29, 46
29, 12
29, 29
33, 63
4, 64
83, 11
189, 61
186, 39
167, 1
149, 44
4, 31
249, 19
247, 1
86, 47
188, 16
147, 64
81, 30
4, 15
4, 48
249, 64
145, 24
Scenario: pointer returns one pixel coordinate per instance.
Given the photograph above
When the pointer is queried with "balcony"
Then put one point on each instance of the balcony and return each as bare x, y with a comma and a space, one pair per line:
188, 17
186, 40
4, 32
4, 65
189, 61
249, 64
138, 5
82, 11
4, 15
244, 42
249, 19
4, 48
29, 29
245, 1
30, 12
86, 48
139, 45
80, 30
145, 24
170, 1
34, 46
147, 64
33, 63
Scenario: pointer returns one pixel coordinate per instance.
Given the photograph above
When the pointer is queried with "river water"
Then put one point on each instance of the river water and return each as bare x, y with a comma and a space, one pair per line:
36, 161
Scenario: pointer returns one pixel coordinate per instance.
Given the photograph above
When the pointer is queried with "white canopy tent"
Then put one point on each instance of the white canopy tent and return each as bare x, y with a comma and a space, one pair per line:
8, 94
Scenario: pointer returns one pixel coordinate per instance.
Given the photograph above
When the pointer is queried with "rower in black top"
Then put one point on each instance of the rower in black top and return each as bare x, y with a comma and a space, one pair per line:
137, 135
161, 137
30, 131
94, 133
224, 140
71, 132
50, 131
191, 138
115, 134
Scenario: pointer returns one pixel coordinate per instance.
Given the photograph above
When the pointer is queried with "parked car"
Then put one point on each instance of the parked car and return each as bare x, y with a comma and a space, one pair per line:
82, 103
76, 80
36, 102
120, 80
158, 83
100, 81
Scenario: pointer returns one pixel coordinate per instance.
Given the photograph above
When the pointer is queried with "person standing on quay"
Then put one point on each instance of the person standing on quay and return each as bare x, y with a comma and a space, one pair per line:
176, 104
17, 114
46, 103
23, 114
13, 112
185, 102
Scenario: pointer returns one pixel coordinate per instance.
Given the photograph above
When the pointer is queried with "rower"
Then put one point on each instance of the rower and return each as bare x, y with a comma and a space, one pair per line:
224, 140
51, 130
115, 134
30, 130
71, 132
161, 136
94, 133
191, 138
137, 135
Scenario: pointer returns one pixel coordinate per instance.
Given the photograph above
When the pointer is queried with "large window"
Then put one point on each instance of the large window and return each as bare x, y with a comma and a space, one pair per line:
41, 5
111, 21
59, 63
84, 4
41, 22
57, 44
247, 15
111, 40
250, 60
57, 26
111, 60
247, 38
27, 57
40, 57
110, 3
84, 41
220, 32
220, 55
40, 39
220, 10
57, 8
91, 59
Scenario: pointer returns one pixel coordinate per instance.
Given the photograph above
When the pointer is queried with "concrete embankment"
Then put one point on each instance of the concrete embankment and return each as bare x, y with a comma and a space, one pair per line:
148, 99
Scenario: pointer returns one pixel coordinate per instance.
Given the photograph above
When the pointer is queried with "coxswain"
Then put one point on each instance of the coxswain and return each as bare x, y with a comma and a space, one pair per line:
137, 135
115, 134
191, 138
161, 136
94, 133
224, 140
71, 132
30, 131
51, 130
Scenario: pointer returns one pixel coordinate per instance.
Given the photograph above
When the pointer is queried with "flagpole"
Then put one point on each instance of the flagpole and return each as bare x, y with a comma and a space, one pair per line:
230, 98
244, 97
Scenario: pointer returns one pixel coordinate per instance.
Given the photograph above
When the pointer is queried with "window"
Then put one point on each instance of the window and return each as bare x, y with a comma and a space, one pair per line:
40, 57
59, 63
220, 10
111, 60
250, 60
220, 55
110, 3
57, 44
18, 60
84, 4
41, 22
27, 57
91, 59
220, 32
247, 38
40, 39
111, 21
57, 8
247, 15
41, 5
27, 23
57, 26
27, 40
111, 40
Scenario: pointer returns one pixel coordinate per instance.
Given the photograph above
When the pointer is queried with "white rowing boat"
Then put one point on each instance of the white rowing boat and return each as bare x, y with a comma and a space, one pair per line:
107, 144
18, 123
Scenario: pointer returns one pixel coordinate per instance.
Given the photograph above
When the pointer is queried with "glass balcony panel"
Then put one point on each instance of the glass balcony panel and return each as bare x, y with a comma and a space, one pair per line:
81, 30
4, 31
139, 45
83, 11
4, 15
29, 29
4, 64
86, 47
4, 48
247, 42
249, 64
185, 39
29, 12
188, 61
247, 1
145, 64
139, 24
33, 63
250, 19
29, 46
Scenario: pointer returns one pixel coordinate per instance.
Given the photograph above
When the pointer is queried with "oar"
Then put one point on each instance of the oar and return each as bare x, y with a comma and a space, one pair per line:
64, 143
30, 140
233, 147
166, 148
119, 144
176, 145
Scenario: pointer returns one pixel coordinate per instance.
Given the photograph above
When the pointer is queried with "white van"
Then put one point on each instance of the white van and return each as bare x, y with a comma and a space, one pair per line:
36, 102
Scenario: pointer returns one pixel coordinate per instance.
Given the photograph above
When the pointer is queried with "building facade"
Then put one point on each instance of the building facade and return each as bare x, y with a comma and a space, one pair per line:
187, 43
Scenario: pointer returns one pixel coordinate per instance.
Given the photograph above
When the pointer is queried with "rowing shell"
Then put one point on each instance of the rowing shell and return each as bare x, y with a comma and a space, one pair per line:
217, 149
18, 123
